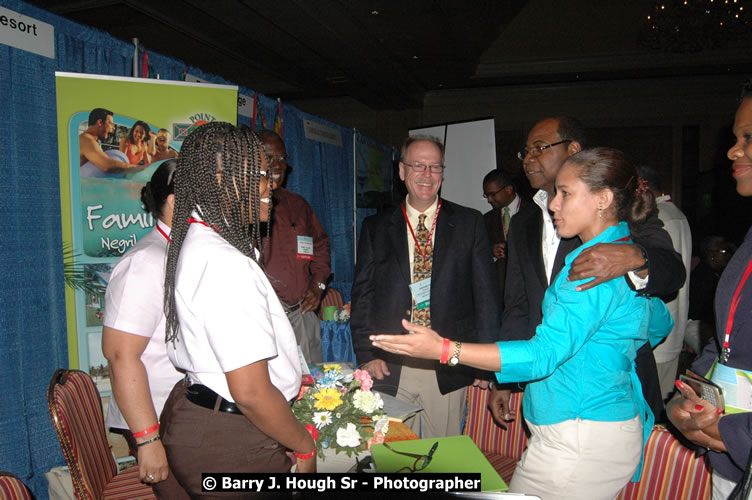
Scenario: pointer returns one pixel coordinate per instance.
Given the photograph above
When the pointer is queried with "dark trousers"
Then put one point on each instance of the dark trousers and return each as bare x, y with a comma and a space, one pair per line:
199, 440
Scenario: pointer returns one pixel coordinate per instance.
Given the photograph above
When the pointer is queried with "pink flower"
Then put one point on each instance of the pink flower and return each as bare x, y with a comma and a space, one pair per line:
365, 380
378, 438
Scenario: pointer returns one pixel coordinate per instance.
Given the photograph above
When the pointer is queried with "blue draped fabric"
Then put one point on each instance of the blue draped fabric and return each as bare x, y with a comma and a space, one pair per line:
32, 306
336, 342
33, 338
323, 174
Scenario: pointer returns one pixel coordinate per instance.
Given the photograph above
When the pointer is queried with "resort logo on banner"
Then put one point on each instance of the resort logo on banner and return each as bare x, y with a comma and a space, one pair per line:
182, 130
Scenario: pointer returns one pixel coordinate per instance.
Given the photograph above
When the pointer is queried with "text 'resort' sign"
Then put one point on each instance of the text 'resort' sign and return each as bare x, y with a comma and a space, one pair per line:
27, 33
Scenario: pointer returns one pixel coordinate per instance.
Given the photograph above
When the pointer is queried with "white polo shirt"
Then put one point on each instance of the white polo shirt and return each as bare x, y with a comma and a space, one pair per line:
134, 304
229, 316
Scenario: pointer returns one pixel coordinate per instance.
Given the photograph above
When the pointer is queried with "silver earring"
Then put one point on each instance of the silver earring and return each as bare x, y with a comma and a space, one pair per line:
600, 212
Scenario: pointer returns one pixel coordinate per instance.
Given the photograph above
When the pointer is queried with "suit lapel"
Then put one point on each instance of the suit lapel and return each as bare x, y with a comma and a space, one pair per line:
445, 228
535, 244
398, 239
565, 247
497, 230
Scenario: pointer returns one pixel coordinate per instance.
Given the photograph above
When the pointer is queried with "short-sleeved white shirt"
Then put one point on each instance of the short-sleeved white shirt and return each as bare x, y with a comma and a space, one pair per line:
229, 316
134, 304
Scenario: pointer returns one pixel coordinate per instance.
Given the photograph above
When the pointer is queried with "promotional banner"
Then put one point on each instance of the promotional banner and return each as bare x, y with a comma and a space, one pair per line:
113, 133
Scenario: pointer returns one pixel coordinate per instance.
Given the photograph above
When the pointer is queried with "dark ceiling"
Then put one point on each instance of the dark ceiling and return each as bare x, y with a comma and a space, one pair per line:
387, 53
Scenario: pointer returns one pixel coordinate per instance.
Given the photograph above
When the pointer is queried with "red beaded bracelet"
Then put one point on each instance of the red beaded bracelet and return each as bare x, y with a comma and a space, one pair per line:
306, 456
445, 352
314, 432
143, 433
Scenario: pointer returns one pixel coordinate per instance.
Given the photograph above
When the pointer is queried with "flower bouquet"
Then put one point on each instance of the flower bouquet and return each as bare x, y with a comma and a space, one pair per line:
345, 411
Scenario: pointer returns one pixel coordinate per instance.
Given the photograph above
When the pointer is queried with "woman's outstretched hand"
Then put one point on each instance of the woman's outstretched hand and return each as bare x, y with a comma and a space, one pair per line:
421, 342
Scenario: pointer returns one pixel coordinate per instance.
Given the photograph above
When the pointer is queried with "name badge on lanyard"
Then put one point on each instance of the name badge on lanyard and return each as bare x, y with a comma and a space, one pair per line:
305, 248
421, 291
737, 387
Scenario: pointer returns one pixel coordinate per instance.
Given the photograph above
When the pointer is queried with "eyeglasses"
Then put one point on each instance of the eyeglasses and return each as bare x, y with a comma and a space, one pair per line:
536, 150
421, 461
435, 168
276, 158
488, 195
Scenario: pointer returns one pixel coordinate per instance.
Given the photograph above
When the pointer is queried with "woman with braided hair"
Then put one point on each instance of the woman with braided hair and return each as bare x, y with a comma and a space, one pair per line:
225, 325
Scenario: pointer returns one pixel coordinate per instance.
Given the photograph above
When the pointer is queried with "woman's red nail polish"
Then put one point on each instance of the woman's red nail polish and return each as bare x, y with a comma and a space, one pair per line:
679, 384
699, 407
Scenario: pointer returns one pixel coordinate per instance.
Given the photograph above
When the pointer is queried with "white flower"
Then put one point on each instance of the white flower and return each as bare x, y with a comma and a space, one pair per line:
348, 436
348, 378
367, 401
322, 418
381, 425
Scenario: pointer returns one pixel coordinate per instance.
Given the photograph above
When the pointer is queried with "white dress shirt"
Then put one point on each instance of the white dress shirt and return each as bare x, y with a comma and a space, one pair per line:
230, 317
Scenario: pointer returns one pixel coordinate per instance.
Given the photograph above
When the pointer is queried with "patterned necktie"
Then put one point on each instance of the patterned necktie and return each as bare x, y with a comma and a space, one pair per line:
422, 267
507, 218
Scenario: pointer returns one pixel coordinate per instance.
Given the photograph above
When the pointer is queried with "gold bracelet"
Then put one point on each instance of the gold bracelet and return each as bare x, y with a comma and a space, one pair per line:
455, 359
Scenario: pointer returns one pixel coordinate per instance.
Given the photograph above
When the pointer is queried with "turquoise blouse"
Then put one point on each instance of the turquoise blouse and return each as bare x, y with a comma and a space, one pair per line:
580, 363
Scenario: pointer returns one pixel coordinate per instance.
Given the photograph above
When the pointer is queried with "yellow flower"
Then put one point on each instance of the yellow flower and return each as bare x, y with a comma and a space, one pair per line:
327, 399
333, 366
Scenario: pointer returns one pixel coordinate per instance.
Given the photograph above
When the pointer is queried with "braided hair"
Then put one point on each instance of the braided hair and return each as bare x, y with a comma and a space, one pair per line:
218, 178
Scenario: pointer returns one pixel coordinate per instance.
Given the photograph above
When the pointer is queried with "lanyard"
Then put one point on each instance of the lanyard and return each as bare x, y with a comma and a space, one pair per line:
161, 231
191, 220
430, 236
732, 312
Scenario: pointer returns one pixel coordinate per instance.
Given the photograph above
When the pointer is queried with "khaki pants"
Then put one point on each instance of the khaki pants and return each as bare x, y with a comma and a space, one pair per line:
307, 330
442, 413
579, 459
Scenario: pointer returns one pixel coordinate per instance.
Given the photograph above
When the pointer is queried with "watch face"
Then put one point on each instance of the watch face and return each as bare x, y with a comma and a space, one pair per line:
453, 361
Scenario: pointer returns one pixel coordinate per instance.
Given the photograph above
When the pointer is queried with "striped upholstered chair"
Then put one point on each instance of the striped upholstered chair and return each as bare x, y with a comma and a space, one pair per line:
502, 448
12, 488
332, 297
76, 412
670, 470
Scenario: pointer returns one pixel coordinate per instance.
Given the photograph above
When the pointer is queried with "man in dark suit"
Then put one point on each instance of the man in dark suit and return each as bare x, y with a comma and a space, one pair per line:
462, 289
535, 254
501, 194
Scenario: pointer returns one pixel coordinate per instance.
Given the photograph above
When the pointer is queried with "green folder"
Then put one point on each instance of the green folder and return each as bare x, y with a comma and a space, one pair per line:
454, 454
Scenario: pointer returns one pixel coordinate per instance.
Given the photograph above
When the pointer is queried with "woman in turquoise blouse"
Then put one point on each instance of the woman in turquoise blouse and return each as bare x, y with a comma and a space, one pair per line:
584, 403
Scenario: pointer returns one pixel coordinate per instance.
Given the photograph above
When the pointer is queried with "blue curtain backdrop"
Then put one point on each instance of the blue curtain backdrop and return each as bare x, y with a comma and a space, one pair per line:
33, 342
32, 308
328, 188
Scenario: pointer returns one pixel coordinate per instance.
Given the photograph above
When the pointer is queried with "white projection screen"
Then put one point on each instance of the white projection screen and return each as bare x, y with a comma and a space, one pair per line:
470, 154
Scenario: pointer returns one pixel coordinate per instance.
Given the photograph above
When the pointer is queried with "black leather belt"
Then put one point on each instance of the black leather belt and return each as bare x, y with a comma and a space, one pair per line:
203, 396
289, 309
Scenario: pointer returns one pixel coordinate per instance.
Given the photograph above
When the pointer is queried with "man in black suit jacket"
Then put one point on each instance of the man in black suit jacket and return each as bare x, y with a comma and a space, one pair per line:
501, 194
463, 292
650, 265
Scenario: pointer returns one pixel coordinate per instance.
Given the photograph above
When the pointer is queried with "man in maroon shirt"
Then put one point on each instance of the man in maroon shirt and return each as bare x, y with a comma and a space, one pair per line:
296, 257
